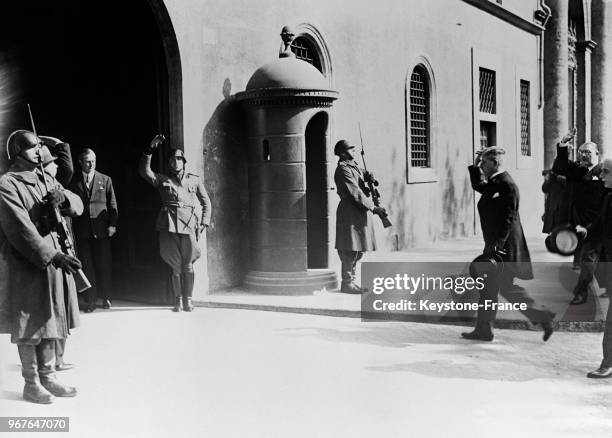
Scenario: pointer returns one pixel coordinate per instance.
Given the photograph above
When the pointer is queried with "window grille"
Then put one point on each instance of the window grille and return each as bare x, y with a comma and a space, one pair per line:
419, 119
525, 120
487, 91
305, 50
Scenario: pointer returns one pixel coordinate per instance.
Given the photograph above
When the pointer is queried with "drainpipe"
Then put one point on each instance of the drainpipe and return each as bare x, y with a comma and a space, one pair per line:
544, 13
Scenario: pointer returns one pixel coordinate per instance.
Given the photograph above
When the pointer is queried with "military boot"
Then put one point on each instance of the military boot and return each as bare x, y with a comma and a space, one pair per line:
45, 355
33, 391
188, 279
175, 284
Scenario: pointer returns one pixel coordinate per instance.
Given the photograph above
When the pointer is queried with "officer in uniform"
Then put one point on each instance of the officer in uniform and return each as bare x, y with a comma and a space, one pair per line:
184, 215
354, 224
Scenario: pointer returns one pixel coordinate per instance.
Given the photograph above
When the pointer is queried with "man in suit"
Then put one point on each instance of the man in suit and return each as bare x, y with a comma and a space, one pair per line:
587, 192
95, 227
600, 232
498, 208
354, 227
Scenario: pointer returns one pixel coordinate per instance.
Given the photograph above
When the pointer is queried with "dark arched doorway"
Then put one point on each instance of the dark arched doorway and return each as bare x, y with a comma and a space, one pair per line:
97, 75
317, 192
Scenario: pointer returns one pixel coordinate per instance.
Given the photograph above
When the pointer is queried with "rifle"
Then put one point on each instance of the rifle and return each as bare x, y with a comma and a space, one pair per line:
372, 184
58, 224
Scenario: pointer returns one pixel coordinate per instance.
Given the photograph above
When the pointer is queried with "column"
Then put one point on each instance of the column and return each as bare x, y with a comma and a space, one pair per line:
601, 104
583, 122
556, 94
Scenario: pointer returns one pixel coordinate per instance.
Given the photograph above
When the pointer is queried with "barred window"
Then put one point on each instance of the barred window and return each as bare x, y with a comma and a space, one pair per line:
419, 119
487, 91
525, 120
305, 50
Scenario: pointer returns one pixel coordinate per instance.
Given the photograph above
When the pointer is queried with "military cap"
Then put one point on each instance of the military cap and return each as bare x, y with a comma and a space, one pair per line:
342, 146
177, 153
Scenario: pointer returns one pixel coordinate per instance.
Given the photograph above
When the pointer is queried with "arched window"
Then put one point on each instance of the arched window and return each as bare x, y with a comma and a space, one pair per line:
304, 49
419, 119
420, 123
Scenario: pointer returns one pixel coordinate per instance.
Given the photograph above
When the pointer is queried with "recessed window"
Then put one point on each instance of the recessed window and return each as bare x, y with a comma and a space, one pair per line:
419, 119
305, 50
525, 120
487, 91
266, 151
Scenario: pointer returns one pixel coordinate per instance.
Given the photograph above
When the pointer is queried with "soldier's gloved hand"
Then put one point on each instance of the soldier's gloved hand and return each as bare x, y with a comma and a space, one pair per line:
66, 262
157, 140
379, 211
55, 197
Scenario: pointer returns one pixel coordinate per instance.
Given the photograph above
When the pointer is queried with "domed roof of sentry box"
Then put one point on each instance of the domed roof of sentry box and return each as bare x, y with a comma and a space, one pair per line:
287, 80
287, 72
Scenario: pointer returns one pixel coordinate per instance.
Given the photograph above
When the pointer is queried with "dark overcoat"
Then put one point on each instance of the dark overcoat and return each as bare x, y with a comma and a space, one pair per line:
42, 300
586, 188
354, 220
498, 208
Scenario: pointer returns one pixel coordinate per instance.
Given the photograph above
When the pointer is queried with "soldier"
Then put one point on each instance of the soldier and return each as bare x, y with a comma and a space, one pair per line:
184, 215
354, 225
42, 297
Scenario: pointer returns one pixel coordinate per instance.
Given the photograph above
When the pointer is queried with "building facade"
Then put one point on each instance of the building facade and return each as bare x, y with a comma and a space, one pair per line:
428, 84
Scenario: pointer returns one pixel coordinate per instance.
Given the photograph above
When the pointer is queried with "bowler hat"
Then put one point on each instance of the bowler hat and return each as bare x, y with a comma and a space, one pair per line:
562, 240
486, 265
342, 146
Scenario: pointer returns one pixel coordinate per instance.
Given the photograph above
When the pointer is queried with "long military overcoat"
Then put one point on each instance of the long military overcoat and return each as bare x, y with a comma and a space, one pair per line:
354, 220
42, 300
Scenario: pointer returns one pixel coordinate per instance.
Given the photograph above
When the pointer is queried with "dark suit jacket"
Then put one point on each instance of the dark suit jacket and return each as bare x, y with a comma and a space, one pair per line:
100, 206
500, 221
586, 189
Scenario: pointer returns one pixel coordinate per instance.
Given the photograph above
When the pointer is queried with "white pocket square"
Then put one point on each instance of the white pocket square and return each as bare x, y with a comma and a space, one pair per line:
496, 195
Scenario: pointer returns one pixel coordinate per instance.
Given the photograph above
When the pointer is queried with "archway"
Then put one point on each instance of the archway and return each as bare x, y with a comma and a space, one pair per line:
105, 76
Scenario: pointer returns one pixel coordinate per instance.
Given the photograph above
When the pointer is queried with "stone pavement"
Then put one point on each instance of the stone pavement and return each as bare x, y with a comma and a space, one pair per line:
552, 286
148, 372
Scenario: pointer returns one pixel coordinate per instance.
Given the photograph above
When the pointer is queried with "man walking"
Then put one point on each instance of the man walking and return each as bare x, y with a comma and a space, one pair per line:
354, 225
41, 292
498, 208
94, 229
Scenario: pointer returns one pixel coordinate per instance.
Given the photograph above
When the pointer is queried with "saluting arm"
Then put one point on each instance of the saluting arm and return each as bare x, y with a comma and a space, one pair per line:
477, 179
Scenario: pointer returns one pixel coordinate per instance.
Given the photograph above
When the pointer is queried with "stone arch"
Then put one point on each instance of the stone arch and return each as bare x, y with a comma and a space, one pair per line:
317, 38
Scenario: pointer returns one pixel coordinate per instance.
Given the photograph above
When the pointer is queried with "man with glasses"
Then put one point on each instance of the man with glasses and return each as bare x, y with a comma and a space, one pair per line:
587, 193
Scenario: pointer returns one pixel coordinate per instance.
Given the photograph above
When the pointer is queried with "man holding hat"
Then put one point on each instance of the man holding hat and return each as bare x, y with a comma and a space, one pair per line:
42, 297
184, 215
498, 208
354, 225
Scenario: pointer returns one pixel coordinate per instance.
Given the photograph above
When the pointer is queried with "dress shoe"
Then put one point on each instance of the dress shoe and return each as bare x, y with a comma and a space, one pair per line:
600, 373
548, 330
478, 336
36, 393
64, 366
350, 288
58, 389
106, 303
578, 299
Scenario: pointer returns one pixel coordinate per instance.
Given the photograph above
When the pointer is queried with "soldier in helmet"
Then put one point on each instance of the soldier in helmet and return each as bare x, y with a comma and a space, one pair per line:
42, 299
184, 215
354, 225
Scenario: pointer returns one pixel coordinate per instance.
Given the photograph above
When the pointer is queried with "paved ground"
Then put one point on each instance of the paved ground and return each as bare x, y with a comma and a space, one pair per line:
552, 287
147, 372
